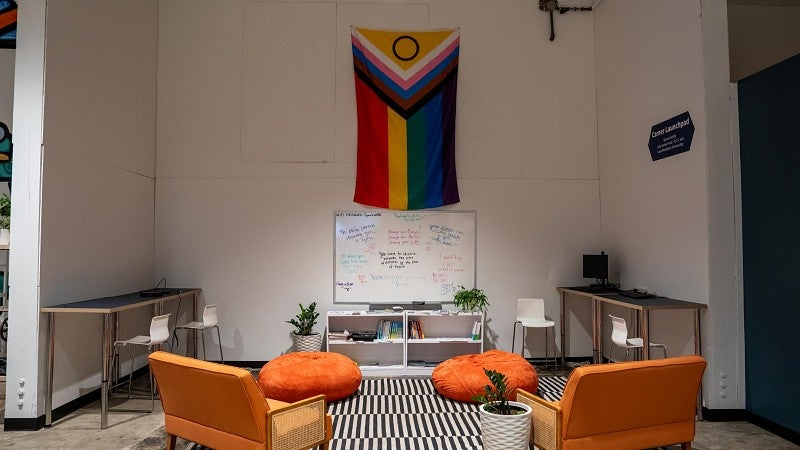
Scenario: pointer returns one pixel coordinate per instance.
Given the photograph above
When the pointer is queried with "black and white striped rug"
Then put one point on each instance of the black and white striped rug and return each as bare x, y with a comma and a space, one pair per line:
408, 414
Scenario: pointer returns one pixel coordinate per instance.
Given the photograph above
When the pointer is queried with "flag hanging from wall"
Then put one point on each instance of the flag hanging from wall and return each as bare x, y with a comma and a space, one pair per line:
406, 105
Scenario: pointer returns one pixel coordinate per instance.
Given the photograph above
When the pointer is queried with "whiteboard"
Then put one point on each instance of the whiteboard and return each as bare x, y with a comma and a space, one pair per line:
402, 256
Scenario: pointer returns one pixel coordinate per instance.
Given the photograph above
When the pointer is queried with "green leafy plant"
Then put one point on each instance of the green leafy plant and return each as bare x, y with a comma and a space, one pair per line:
471, 299
305, 321
5, 211
495, 396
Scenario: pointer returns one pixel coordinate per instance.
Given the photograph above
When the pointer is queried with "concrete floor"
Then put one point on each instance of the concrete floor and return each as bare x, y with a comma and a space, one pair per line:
141, 431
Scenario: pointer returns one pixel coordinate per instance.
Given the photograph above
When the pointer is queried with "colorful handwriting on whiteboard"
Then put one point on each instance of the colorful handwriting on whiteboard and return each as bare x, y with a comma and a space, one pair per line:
346, 285
452, 263
398, 260
408, 217
404, 237
395, 280
447, 289
445, 235
352, 262
361, 235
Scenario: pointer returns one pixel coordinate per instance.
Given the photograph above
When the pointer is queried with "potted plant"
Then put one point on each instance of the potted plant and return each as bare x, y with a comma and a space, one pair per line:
5, 218
305, 339
505, 424
471, 299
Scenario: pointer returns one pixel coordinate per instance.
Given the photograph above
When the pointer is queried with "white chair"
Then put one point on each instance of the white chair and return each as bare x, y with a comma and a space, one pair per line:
159, 333
530, 314
210, 320
619, 337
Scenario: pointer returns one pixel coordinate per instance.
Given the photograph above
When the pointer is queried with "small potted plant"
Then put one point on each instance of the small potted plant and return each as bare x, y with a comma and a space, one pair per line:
305, 338
471, 299
505, 425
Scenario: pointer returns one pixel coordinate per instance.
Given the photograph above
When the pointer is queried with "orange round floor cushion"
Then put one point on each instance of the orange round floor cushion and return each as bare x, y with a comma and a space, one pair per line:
297, 376
462, 377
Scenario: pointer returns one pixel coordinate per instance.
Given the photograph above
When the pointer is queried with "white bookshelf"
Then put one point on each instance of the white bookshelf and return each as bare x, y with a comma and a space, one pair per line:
447, 334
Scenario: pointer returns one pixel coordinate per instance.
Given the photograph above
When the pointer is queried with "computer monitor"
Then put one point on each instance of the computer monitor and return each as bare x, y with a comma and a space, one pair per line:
596, 266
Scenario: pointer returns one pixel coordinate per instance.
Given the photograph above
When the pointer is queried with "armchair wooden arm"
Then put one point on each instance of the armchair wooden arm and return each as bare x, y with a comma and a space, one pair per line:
302, 424
546, 417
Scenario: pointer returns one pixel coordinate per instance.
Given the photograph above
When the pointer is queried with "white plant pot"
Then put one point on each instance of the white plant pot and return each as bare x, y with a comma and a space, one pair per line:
5, 234
499, 432
310, 343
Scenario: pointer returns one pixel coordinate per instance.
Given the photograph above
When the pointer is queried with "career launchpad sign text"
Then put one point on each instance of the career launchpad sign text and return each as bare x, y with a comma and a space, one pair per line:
671, 136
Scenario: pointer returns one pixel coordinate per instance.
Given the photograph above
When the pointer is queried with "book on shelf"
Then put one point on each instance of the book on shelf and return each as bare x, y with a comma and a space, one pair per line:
364, 335
415, 330
476, 330
338, 335
388, 329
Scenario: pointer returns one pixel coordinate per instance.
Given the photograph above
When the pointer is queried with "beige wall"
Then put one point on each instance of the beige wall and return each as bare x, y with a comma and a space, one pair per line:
669, 222
164, 156
249, 217
92, 211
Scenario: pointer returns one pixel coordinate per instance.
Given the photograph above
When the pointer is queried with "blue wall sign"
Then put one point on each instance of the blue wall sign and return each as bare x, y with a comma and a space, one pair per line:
671, 136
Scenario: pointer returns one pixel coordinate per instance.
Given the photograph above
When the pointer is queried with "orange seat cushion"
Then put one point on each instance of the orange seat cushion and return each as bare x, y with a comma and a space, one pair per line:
297, 376
462, 377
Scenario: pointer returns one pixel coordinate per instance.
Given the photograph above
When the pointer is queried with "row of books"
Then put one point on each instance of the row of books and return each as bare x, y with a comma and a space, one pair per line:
415, 330
388, 329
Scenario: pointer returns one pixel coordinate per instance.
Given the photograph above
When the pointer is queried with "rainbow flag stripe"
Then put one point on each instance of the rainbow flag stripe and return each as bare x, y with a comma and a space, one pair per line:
406, 106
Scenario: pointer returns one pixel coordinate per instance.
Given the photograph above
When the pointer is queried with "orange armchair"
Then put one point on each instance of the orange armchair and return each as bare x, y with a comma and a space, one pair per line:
632, 405
222, 407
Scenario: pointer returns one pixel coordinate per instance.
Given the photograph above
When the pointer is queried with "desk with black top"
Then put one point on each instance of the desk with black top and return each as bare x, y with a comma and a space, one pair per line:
642, 306
109, 307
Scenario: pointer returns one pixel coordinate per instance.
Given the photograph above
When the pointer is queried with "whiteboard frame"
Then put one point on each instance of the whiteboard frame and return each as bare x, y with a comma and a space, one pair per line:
389, 211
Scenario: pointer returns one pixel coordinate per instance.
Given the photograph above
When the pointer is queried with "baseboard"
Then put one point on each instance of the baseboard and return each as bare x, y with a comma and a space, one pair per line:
775, 428
726, 415
33, 424
23, 424
743, 415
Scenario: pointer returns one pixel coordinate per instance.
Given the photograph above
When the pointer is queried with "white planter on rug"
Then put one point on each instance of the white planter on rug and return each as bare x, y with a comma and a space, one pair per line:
500, 432
310, 343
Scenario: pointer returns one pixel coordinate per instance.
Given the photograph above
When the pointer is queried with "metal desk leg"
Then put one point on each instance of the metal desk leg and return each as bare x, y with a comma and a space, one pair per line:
48, 399
598, 327
194, 331
106, 360
697, 351
645, 326
563, 331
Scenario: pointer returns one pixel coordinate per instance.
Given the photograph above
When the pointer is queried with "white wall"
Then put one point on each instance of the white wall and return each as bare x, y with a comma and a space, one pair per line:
96, 153
668, 224
243, 215
239, 216
23, 342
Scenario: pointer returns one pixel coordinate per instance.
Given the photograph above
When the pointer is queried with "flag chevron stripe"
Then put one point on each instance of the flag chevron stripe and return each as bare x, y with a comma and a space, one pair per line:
406, 127
404, 78
409, 83
392, 66
389, 84
407, 109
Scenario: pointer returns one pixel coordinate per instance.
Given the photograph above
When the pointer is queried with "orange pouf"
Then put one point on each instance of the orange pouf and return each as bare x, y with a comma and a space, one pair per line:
462, 377
297, 376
